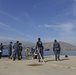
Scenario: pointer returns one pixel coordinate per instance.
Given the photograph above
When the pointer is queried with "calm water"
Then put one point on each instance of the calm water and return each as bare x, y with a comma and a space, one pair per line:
47, 53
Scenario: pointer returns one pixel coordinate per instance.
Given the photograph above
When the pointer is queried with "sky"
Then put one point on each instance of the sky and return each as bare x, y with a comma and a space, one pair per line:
28, 20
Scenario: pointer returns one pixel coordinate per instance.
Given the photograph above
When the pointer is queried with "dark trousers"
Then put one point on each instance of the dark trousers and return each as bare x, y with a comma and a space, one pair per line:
16, 53
20, 54
40, 53
9, 53
0, 55
57, 55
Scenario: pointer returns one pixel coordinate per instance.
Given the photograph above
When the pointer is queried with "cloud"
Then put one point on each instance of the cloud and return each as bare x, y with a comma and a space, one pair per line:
30, 19
6, 14
65, 32
66, 26
7, 38
2, 24
28, 16
49, 26
7, 27
11, 29
4, 38
66, 13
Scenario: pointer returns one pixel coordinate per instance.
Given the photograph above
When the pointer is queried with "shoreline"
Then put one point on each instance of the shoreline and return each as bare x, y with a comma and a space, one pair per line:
46, 53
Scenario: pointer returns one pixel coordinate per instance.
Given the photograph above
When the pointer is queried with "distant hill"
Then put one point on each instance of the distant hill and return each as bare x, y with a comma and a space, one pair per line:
64, 46
24, 44
48, 45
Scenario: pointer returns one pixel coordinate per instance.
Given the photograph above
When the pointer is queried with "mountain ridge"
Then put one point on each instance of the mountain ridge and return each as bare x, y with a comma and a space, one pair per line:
64, 46
47, 45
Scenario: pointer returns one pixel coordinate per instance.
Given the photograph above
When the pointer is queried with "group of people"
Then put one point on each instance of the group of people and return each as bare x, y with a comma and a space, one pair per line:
15, 50
38, 52
56, 49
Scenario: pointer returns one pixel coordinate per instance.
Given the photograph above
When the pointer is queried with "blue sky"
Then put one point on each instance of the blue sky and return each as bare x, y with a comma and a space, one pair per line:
30, 19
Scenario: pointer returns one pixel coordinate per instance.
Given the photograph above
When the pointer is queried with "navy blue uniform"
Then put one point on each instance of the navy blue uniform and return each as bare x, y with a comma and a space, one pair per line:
10, 50
40, 48
56, 49
1, 50
16, 51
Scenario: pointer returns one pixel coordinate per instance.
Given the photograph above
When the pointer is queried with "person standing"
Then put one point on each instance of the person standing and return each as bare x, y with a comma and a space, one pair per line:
39, 46
1, 50
20, 51
26, 52
56, 49
16, 50
10, 50
0, 54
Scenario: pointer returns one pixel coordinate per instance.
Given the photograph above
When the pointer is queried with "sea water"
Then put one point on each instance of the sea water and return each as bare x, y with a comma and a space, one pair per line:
47, 53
